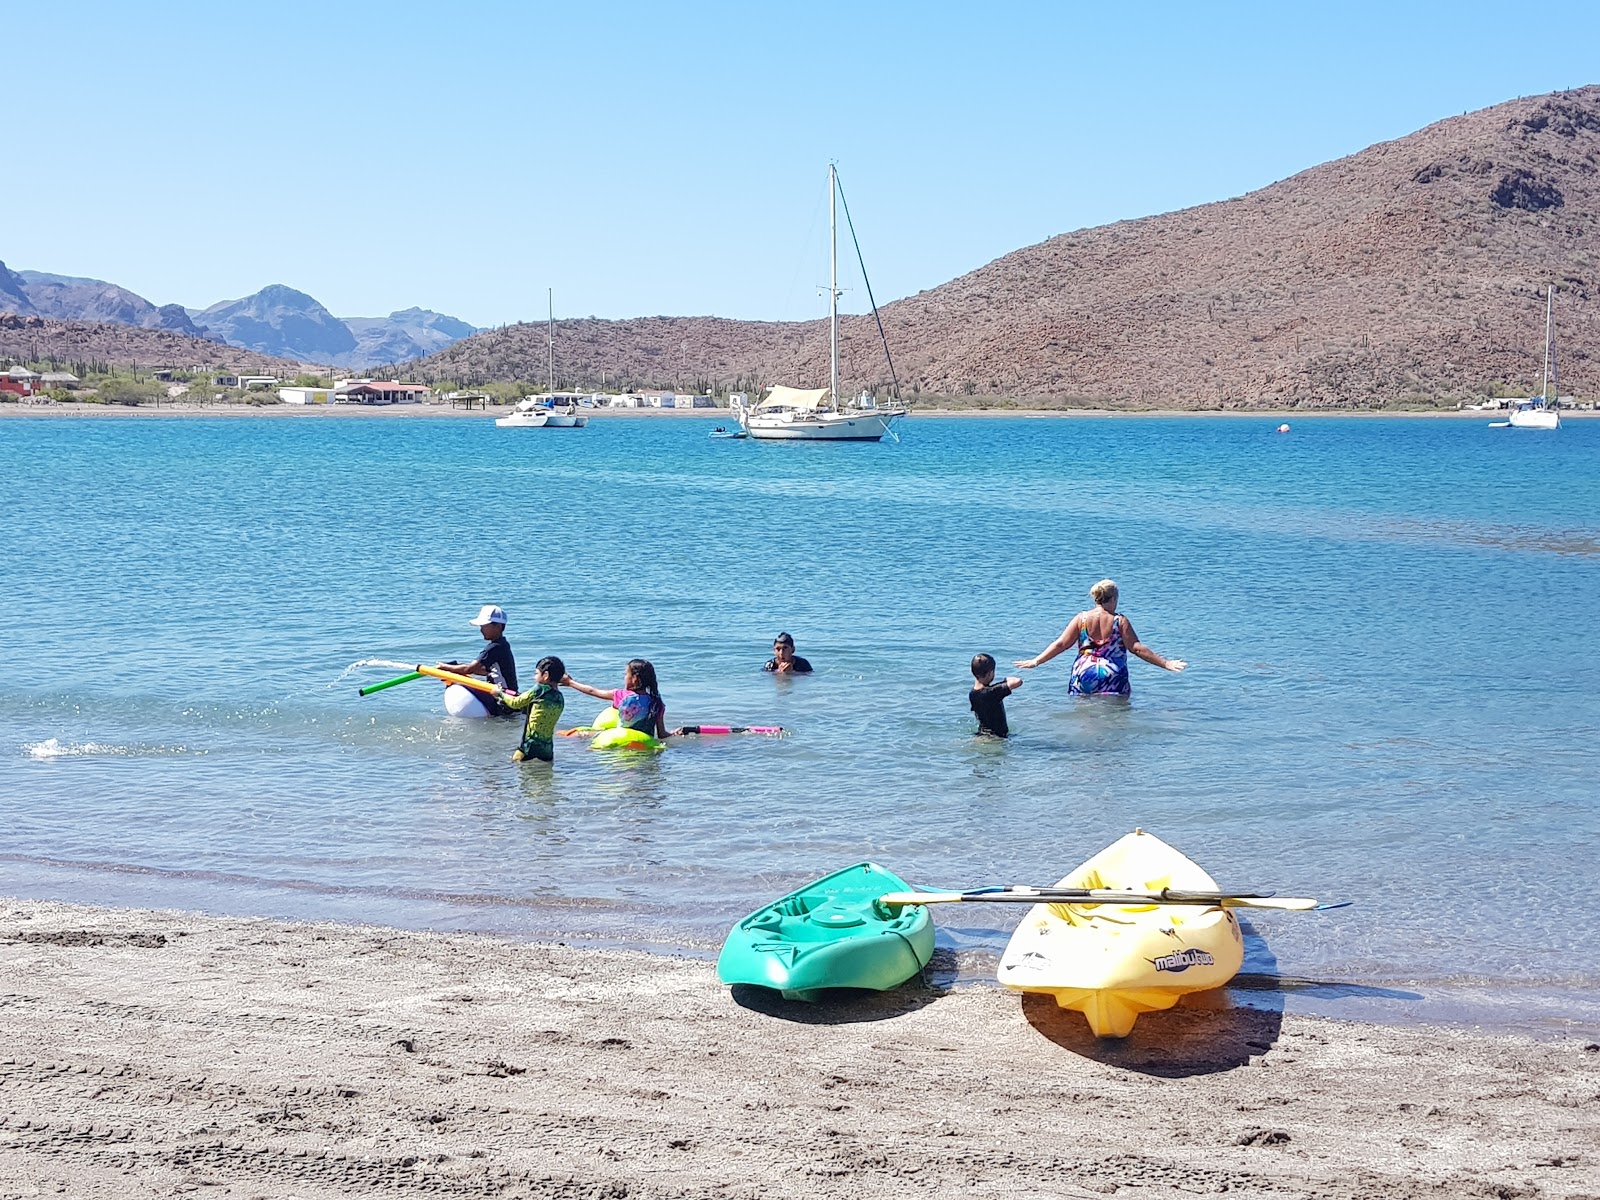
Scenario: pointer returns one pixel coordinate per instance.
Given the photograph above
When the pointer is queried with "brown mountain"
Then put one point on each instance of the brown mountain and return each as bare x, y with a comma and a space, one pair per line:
40, 339
71, 298
1417, 266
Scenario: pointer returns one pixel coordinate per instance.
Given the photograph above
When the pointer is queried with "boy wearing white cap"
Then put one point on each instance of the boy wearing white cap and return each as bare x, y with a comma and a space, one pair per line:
494, 662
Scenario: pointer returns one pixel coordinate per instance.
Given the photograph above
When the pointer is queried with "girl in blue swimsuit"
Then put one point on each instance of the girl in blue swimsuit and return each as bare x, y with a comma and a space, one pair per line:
1103, 638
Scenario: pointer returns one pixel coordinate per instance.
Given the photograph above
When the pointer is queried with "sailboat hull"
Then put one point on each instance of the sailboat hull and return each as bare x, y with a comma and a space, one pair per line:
1534, 418
845, 429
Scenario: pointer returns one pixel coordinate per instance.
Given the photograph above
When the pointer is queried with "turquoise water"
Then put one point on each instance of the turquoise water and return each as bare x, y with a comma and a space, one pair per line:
1391, 698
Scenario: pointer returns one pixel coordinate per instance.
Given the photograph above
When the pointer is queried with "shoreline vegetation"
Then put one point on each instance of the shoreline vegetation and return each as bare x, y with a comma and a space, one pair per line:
180, 408
155, 1053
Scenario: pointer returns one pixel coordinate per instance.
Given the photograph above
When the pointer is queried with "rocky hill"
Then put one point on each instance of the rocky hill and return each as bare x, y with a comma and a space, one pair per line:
70, 298
403, 336
1415, 267
280, 322
277, 320
43, 339
14, 294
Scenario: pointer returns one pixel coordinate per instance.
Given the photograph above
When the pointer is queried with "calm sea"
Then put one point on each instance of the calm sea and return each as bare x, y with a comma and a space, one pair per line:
1391, 626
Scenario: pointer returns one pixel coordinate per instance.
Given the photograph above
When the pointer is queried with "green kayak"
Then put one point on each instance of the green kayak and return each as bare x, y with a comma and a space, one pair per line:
830, 934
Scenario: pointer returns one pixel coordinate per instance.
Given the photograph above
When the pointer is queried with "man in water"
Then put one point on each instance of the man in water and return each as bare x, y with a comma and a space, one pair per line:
784, 660
494, 662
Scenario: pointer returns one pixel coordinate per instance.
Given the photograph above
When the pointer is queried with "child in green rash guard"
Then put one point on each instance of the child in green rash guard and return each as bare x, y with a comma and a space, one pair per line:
543, 702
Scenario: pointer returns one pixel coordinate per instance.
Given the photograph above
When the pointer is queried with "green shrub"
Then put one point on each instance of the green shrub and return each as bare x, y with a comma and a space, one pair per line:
129, 392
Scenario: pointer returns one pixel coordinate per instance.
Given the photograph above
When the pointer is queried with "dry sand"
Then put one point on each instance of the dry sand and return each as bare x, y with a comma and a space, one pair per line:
160, 1054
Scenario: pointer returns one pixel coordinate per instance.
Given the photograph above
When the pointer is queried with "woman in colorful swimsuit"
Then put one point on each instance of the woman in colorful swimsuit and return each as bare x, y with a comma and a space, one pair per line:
1103, 638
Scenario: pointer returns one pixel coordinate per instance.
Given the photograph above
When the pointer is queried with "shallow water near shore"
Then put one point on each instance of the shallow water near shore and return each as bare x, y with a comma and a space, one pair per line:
1391, 697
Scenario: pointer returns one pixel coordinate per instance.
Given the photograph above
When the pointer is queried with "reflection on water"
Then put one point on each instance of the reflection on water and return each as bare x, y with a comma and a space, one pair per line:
1376, 709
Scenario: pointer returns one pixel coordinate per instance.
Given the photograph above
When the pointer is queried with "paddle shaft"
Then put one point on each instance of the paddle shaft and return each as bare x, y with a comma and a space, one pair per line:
466, 681
1100, 896
389, 683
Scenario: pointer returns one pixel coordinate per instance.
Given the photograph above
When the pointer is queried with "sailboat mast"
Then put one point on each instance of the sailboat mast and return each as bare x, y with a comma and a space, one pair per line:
833, 288
550, 332
1549, 303
1550, 345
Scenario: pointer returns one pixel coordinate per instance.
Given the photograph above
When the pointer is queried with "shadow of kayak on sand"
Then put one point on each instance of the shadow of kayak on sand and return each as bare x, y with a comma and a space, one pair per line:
837, 1006
1204, 1034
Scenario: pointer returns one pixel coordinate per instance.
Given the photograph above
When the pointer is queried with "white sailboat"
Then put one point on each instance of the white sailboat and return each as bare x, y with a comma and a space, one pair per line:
552, 409
816, 414
1540, 412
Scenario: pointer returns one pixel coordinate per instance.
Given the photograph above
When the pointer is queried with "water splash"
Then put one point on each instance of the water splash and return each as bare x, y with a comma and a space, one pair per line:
364, 663
52, 748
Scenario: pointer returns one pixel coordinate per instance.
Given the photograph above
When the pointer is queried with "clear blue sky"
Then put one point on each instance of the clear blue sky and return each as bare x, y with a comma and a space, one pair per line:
664, 158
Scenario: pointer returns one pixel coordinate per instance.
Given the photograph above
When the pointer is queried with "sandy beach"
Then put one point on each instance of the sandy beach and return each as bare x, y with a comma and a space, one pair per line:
162, 1054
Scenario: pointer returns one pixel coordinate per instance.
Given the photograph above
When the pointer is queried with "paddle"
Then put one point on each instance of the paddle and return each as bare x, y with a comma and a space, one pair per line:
389, 683
1029, 895
467, 681
769, 730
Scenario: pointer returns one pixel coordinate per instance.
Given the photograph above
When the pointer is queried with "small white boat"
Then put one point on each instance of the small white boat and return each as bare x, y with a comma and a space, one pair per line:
564, 412
815, 414
552, 409
1540, 412
529, 414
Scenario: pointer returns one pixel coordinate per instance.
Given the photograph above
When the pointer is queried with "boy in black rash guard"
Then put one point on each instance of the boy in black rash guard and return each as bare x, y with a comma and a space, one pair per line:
494, 662
988, 698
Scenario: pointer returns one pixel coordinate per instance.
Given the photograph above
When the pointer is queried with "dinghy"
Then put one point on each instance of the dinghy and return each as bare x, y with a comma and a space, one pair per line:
1112, 962
830, 934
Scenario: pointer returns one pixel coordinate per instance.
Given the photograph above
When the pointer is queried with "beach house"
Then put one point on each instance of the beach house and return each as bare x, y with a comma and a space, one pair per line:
20, 381
367, 391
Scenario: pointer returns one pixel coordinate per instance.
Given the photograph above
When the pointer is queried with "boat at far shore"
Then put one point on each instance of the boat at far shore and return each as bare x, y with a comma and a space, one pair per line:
552, 409
549, 410
1540, 412
816, 414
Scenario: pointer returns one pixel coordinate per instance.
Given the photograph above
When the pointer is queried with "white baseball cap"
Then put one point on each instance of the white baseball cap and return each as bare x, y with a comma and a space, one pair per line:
490, 614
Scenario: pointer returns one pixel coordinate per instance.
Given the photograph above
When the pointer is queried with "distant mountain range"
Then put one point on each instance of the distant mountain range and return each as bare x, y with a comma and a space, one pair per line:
1414, 269
277, 321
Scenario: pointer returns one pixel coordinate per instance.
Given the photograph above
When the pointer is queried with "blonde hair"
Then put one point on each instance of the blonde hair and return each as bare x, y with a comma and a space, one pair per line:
1105, 590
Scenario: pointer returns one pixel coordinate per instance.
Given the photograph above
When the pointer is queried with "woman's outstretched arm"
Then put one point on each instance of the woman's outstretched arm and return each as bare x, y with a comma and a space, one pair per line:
1130, 639
1068, 638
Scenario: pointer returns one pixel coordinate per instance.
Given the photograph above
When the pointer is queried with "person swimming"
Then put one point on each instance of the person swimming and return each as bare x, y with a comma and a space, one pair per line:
1103, 638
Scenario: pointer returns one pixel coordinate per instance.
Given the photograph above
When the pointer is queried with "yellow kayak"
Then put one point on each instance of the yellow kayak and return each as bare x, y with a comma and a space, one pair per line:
1112, 962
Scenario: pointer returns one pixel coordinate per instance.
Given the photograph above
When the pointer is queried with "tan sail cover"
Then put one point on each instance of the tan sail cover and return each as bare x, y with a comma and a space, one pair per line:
788, 397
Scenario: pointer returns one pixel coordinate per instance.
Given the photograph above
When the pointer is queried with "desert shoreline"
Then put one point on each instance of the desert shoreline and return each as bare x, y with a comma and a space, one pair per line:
152, 1053
431, 411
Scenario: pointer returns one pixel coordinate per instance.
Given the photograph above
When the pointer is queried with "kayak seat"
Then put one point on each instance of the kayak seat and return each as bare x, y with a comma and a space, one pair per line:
833, 915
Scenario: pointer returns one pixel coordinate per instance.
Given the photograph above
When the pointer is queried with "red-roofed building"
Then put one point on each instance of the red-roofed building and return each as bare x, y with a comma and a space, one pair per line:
20, 381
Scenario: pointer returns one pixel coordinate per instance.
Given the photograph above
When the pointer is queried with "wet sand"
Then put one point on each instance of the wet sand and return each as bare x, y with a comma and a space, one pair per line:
149, 1054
